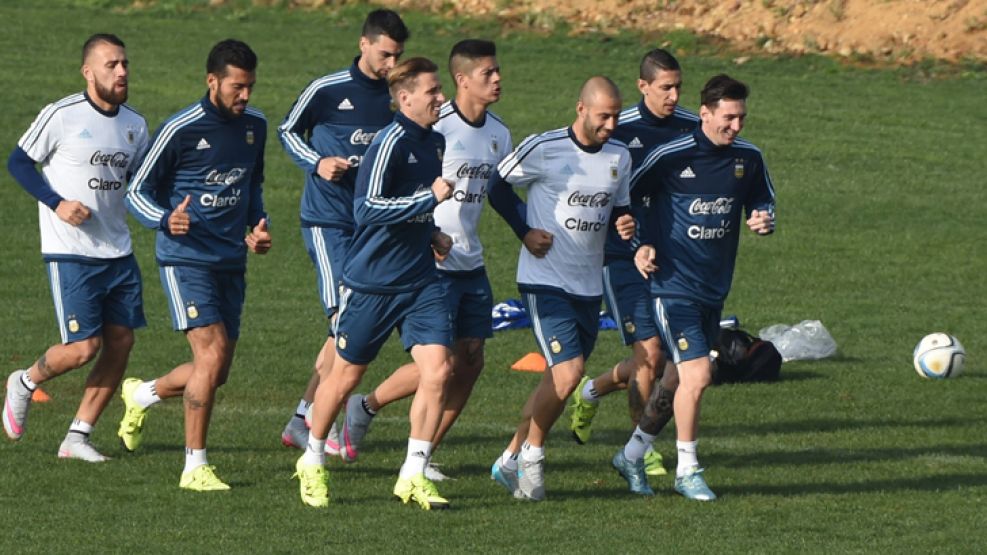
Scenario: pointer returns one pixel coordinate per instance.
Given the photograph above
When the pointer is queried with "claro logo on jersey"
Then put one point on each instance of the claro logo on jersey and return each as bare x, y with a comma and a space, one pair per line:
221, 201
701, 232
361, 137
700, 207
110, 159
468, 197
595, 200
229, 177
579, 224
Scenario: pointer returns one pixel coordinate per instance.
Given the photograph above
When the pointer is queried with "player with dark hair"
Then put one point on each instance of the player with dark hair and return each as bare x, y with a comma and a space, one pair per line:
86, 144
577, 180
699, 185
327, 132
200, 187
656, 119
476, 141
390, 281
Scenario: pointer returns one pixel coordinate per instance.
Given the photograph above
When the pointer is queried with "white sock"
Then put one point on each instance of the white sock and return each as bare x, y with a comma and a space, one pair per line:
530, 453
315, 450
687, 457
589, 392
146, 394
508, 461
27, 382
80, 427
194, 458
638, 445
419, 451
301, 409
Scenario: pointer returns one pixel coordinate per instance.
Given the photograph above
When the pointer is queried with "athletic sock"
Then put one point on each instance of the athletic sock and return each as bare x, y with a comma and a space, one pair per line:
301, 409
589, 392
638, 445
530, 453
80, 428
366, 407
687, 457
146, 394
508, 461
419, 451
27, 382
194, 458
315, 450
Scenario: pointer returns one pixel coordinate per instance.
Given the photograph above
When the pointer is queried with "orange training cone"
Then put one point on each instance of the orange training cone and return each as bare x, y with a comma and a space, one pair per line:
39, 396
531, 362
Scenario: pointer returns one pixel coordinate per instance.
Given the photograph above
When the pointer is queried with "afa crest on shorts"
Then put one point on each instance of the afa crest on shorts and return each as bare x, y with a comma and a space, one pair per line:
629, 327
192, 311
683, 344
73, 325
555, 346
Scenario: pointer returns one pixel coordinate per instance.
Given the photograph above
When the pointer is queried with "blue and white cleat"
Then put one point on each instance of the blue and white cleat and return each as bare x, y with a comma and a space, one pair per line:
693, 486
633, 472
504, 477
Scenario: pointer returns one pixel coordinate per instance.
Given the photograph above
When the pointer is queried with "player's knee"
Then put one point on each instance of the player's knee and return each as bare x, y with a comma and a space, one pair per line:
81, 352
118, 339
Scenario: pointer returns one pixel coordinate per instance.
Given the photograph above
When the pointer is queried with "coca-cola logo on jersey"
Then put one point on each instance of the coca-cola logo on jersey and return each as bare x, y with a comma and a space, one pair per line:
361, 137
481, 171
229, 177
595, 200
110, 159
700, 207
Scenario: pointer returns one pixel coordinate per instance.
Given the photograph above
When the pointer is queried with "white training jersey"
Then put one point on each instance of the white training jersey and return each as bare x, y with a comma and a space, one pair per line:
86, 154
471, 156
571, 193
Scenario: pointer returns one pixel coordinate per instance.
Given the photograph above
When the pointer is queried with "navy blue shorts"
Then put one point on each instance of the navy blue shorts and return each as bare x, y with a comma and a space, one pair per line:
326, 247
470, 302
88, 295
199, 297
688, 329
565, 327
629, 301
366, 320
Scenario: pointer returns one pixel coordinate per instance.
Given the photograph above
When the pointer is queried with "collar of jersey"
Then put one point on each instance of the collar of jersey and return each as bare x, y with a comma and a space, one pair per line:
582, 147
107, 113
362, 80
649, 117
477, 125
703, 142
411, 128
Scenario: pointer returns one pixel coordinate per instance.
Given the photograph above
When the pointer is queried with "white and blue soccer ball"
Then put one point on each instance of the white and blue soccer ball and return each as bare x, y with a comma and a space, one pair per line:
939, 356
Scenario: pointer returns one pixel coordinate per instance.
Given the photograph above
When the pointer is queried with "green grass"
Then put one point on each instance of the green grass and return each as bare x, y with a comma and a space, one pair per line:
879, 175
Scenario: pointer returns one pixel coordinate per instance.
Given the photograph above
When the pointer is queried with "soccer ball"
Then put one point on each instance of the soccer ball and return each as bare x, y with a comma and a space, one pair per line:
939, 356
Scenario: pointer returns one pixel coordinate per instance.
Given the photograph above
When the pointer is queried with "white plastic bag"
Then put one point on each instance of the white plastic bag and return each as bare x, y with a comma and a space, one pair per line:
807, 340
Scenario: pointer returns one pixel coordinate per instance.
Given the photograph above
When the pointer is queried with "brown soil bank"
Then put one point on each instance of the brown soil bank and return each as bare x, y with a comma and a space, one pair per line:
896, 31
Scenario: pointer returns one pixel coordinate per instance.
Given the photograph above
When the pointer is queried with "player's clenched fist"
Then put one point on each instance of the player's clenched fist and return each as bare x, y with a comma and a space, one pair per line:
179, 220
441, 188
72, 212
332, 168
441, 245
761, 222
626, 226
538, 242
259, 238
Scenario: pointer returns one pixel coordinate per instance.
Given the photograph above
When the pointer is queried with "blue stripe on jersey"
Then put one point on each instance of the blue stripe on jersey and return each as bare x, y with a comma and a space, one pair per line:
649, 161
141, 202
629, 115
298, 146
255, 112
374, 191
34, 132
685, 114
527, 146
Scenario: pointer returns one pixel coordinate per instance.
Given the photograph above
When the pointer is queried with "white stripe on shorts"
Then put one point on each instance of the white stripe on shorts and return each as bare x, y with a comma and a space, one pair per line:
175, 297
665, 331
324, 268
56, 295
536, 327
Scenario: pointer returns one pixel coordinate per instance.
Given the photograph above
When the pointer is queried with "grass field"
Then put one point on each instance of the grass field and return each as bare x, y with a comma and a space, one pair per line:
879, 175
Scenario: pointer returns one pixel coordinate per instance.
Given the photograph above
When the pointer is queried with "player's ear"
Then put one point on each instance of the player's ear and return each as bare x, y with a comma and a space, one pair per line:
212, 81
87, 73
642, 86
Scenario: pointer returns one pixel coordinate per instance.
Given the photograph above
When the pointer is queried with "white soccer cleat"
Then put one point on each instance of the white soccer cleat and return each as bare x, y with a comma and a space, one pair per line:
76, 446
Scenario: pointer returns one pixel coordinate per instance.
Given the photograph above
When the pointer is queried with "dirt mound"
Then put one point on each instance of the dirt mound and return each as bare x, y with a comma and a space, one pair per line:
895, 31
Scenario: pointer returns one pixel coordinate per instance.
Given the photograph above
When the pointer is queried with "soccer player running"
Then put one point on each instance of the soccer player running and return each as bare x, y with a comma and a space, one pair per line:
327, 132
577, 180
699, 185
476, 141
87, 144
390, 281
200, 187
656, 119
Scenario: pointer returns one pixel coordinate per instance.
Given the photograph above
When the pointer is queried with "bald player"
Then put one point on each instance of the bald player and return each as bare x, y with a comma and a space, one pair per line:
577, 181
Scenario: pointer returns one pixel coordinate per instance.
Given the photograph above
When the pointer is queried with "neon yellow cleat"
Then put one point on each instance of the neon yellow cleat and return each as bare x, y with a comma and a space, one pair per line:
654, 464
421, 490
582, 414
132, 423
202, 478
313, 483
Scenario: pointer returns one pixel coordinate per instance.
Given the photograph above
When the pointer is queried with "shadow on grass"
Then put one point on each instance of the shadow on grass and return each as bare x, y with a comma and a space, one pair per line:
937, 483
